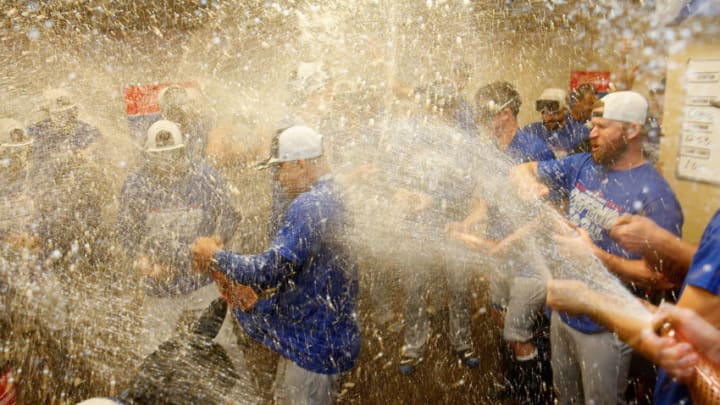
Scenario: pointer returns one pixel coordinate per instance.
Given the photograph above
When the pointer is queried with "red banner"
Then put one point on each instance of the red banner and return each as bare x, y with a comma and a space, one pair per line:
143, 99
601, 80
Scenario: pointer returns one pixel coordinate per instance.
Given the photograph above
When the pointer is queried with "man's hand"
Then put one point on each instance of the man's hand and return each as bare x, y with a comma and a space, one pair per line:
571, 296
237, 295
202, 252
680, 354
578, 244
634, 232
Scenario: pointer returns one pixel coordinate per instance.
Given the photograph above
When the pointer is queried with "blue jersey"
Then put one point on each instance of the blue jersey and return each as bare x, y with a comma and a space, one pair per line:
563, 141
597, 196
524, 147
161, 219
311, 319
527, 147
47, 139
704, 273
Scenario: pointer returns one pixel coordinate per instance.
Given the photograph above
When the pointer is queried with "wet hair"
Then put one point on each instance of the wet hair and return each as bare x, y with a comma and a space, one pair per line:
500, 93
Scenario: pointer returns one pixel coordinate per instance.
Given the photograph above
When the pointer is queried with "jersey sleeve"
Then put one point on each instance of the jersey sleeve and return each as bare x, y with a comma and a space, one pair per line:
705, 268
558, 174
293, 245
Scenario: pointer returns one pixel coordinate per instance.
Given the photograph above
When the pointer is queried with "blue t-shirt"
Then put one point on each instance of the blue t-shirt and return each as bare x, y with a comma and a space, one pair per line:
311, 319
524, 147
704, 273
527, 147
598, 196
162, 219
564, 140
48, 139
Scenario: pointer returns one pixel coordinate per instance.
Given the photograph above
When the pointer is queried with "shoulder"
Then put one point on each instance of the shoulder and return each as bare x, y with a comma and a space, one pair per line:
533, 127
322, 199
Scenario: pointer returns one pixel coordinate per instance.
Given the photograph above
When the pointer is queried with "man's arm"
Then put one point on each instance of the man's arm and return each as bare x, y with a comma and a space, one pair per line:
628, 270
632, 271
525, 179
264, 270
618, 314
659, 247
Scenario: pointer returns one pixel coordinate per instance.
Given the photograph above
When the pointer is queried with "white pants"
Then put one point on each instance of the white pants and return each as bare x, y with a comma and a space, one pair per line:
296, 386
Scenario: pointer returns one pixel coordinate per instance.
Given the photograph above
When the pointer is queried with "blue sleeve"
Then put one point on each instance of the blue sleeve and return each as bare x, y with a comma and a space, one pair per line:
291, 248
705, 268
542, 152
558, 174
666, 212
265, 270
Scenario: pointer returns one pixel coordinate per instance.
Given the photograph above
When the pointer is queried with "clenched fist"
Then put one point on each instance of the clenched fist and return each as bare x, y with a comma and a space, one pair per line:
202, 252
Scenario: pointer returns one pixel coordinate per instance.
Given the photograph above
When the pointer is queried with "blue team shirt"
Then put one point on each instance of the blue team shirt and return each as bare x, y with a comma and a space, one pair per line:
48, 139
311, 319
527, 147
162, 219
524, 147
704, 273
597, 196
564, 140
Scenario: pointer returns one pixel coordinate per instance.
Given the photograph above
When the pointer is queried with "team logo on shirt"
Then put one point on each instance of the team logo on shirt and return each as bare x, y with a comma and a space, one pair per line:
591, 211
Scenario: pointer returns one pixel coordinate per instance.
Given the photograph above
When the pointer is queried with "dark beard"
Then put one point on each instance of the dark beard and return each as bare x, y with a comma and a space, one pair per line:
608, 157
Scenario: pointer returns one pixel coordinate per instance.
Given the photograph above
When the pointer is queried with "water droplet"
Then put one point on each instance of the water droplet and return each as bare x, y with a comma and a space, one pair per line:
637, 206
33, 33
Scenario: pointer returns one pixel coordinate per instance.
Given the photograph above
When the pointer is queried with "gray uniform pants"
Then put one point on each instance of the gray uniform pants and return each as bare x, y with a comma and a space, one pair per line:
589, 368
417, 326
524, 298
296, 386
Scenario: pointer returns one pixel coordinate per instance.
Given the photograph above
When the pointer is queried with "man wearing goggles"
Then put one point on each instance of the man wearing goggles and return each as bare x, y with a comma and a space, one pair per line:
564, 135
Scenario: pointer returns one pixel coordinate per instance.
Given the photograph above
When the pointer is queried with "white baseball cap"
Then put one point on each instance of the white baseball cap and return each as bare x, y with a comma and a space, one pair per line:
625, 106
295, 143
558, 96
163, 136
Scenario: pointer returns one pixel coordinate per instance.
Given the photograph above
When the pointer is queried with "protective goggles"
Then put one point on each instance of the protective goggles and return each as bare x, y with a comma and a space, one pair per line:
547, 106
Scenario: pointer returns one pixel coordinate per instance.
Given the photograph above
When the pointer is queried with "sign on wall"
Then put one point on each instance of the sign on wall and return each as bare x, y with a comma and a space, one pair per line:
599, 79
699, 151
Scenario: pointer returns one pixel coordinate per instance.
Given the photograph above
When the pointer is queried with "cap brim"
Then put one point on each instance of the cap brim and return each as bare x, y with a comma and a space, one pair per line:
267, 163
166, 149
